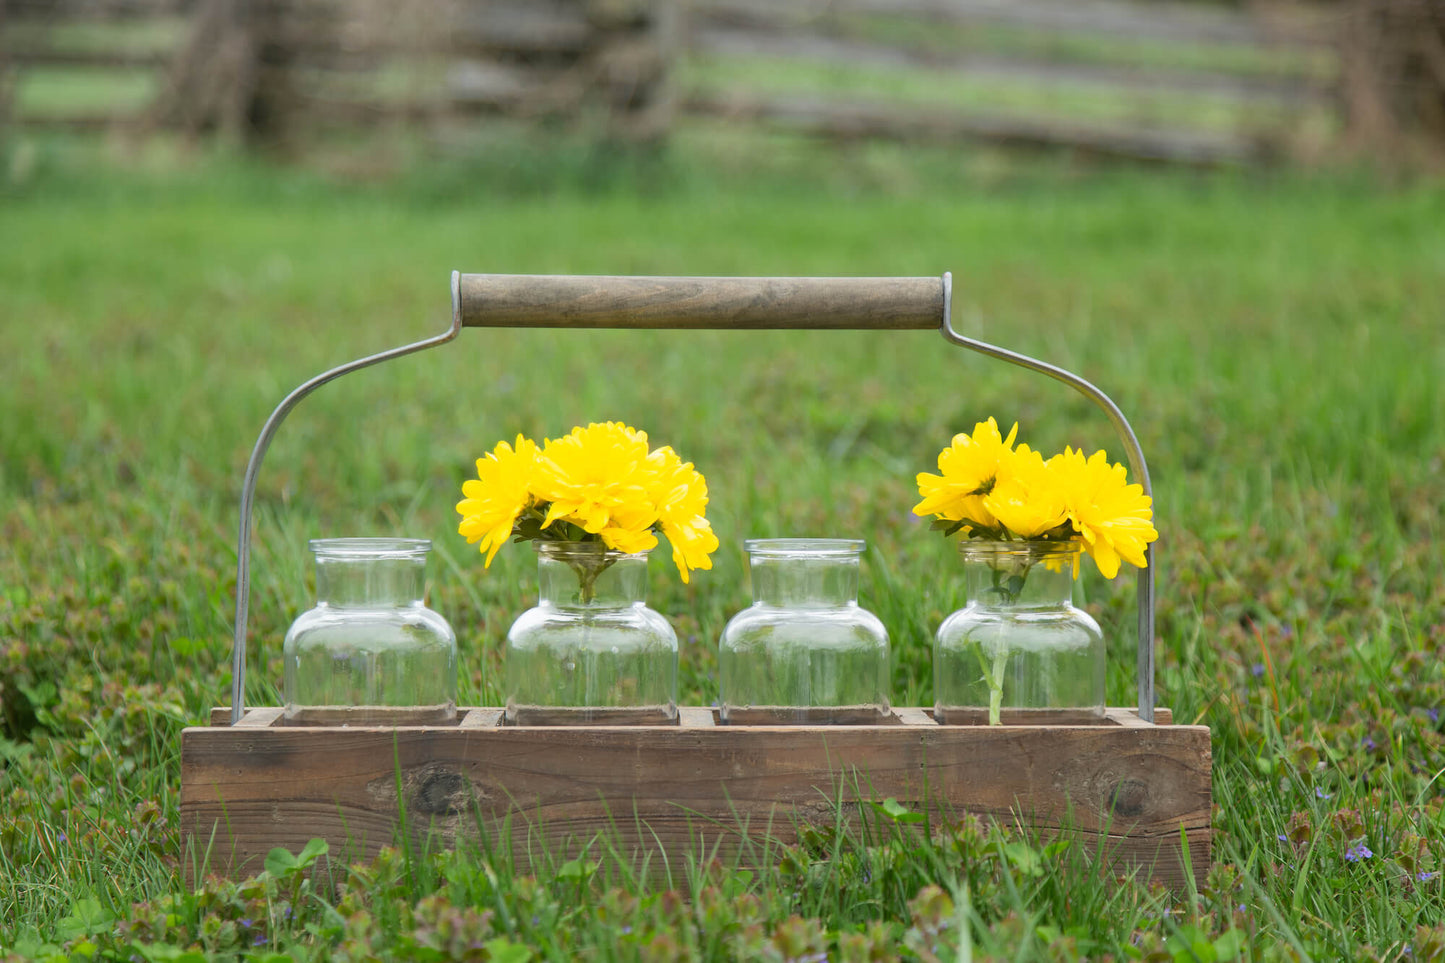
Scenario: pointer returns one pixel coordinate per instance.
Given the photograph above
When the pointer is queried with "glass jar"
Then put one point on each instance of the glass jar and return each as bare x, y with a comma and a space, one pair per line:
1020, 645
804, 652
591, 652
370, 652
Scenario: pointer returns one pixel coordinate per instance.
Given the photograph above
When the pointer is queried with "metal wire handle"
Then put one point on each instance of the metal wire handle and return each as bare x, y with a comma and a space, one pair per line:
1144, 663
695, 303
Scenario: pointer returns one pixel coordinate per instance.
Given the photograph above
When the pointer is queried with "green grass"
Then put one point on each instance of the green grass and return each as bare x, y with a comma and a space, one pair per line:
70, 91
1275, 340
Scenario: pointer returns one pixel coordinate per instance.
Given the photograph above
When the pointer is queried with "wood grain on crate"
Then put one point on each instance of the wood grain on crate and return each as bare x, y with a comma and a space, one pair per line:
695, 786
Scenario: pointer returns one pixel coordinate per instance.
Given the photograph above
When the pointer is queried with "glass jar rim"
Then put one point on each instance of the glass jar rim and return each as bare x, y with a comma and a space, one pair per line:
370, 547
804, 547
553, 548
1033, 548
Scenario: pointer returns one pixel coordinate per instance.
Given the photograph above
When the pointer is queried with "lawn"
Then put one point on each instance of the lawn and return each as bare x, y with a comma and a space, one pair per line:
1275, 338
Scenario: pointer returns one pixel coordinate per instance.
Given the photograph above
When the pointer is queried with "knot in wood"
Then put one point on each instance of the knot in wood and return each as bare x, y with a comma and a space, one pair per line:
438, 791
1129, 797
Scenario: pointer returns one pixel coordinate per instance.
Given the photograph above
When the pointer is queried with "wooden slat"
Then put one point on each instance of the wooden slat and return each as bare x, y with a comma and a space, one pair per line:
861, 120
1130, 789
807, 716
120, 59
1119, 19
593, 716
913, 716
1119, 79
522, 26
260, 718
696, 717
479, 718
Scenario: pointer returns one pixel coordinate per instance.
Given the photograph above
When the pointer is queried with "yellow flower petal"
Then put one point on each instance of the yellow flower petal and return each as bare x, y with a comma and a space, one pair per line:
1113, 517
1026, 498
500, 492
968, 469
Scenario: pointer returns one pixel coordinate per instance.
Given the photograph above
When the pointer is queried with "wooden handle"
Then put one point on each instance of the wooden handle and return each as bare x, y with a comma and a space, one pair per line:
569, 301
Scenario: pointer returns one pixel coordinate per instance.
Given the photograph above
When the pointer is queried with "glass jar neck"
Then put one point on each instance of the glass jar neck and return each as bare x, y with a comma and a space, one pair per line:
804, 573
1020, 574
370, 572
589, 575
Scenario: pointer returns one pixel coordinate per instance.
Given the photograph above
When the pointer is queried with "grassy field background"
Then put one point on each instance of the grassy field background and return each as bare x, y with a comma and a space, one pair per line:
1276, 340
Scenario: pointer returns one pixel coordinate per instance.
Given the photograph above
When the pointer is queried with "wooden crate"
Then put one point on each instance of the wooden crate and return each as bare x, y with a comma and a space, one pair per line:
1131, 786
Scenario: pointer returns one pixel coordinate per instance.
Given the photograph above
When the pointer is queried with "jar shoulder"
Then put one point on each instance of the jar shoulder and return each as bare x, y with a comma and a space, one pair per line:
410, 622
638, 624
843, 626
1061, 625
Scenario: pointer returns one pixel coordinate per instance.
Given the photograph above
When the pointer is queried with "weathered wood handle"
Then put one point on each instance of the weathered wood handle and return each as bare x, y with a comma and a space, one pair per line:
569, 301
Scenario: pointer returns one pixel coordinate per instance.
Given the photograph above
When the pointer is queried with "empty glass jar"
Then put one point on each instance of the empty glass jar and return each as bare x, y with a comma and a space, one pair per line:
591, 652
804, 652
370, 651
1019, 646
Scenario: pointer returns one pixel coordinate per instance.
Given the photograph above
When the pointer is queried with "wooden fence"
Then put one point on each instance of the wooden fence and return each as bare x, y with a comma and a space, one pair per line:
1171, 81
1168, 79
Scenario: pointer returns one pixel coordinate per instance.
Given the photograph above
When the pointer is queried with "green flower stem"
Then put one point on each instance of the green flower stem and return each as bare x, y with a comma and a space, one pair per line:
995, 685
1008, 588
587, 573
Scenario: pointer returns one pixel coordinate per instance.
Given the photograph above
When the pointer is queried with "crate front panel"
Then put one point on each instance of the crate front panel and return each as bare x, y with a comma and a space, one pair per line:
684, 789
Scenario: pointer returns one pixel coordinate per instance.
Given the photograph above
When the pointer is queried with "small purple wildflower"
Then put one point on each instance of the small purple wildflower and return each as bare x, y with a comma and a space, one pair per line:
1321, 794
626, 930
1425, 877
1257, 669
62, 837
1369, 744
1282, 837
245, 924
1358, 852
260, 940
1434, 714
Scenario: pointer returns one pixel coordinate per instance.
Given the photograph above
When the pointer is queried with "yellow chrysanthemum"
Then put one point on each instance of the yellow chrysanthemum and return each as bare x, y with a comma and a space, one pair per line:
1026, 498
970, 468
601, 479
1114, 518
500, 492
681, 496
597, 477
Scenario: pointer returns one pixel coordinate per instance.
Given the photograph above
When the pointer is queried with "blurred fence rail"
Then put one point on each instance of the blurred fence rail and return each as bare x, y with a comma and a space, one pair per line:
1172, 80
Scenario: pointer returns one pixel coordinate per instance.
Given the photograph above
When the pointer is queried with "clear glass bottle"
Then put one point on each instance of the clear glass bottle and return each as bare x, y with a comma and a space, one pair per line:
804, 652
591, 651
1020, 645
370, 651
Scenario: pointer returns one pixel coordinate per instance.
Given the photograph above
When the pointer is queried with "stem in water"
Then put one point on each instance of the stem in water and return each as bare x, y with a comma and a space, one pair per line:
995, 685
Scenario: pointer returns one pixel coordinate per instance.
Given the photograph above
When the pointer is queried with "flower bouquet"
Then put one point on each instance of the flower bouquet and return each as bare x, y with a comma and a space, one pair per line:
593, 502
597, 484
1025, 521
